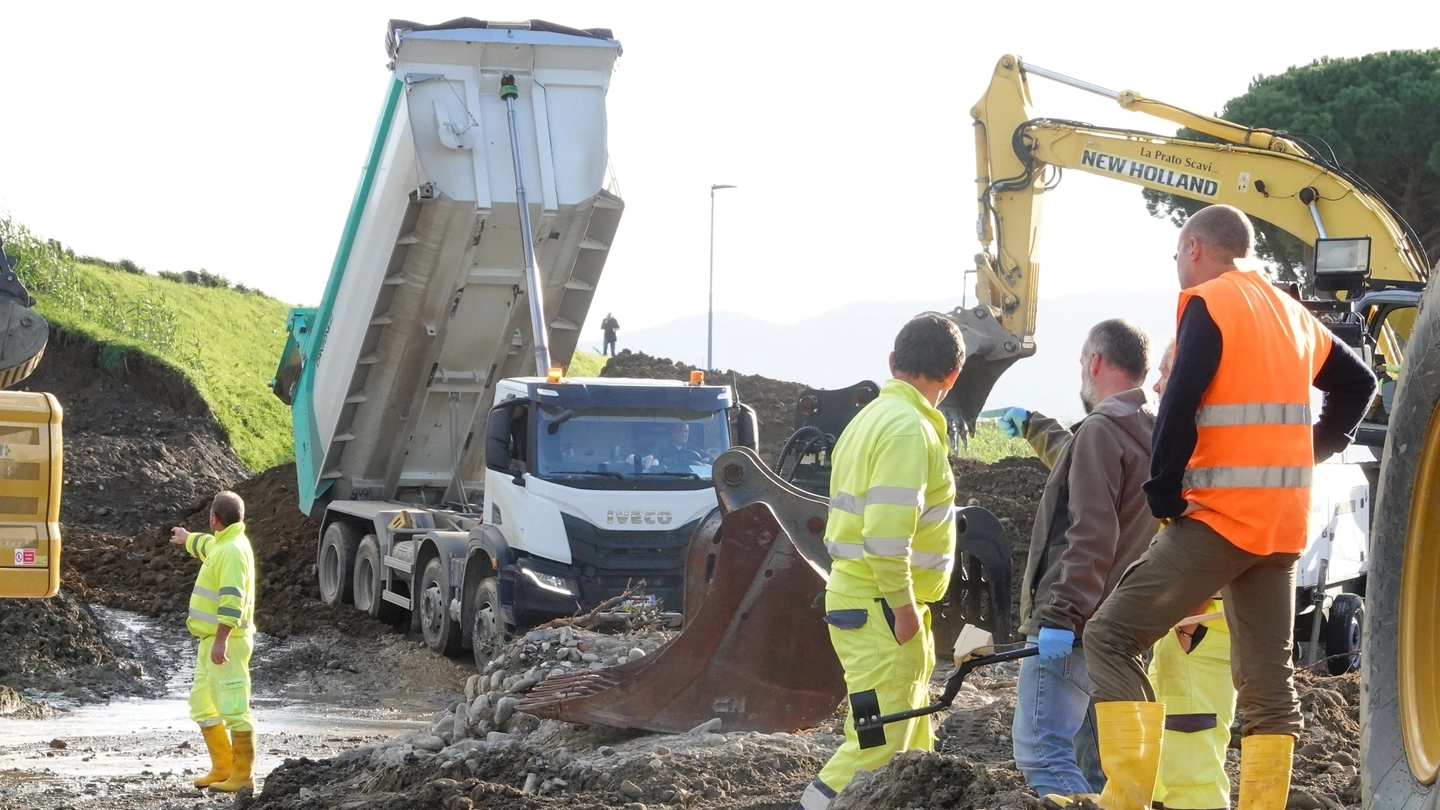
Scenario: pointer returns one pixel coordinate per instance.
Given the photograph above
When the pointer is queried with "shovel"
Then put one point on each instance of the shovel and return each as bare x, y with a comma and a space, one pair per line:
870, 723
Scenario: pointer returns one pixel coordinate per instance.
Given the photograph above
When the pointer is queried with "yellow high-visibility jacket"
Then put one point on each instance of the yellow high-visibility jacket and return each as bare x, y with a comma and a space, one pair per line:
890, 529
224, 591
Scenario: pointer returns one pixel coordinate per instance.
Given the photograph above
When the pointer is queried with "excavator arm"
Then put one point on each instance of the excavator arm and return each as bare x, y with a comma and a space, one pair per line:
1019, 157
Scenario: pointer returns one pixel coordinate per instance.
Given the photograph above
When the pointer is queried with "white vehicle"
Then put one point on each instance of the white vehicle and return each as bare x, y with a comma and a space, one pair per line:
454, 477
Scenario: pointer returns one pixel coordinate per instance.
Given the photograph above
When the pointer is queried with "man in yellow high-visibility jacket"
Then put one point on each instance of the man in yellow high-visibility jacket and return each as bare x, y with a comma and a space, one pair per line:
891, 536
222, 617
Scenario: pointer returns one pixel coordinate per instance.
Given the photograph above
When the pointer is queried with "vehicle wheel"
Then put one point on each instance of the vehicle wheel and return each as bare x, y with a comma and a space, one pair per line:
487, 631
337, 563
442, 633
1343, 629
369, 578
1400, 701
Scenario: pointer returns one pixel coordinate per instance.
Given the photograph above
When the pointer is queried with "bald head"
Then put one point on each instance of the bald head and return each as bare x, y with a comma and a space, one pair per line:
227, 508
1211, 242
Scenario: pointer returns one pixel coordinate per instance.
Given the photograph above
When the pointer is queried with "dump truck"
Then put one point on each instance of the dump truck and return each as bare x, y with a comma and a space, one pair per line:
460, 480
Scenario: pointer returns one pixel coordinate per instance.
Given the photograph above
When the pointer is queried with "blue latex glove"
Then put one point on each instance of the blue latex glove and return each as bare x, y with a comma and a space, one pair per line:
1056, 643
1012, 421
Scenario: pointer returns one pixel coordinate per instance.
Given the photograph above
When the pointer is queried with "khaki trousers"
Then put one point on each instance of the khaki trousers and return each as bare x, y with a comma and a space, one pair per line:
1186, 564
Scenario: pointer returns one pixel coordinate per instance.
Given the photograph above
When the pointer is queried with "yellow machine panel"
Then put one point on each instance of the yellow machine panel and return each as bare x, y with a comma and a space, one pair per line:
30, 478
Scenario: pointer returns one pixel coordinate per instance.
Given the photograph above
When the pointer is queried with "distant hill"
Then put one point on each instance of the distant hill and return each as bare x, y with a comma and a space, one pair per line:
848, 344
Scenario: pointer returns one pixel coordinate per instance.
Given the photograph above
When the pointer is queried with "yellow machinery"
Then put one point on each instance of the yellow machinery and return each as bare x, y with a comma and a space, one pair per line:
1371, 269
30, 453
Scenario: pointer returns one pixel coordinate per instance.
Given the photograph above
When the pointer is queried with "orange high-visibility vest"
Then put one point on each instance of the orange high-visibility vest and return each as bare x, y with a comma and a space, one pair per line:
1254, 455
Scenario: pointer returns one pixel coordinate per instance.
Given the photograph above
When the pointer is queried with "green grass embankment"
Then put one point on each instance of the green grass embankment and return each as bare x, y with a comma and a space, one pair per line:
224, 342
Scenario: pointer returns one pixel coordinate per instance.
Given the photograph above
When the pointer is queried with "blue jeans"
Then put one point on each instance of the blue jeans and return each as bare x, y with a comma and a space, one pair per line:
1054, 731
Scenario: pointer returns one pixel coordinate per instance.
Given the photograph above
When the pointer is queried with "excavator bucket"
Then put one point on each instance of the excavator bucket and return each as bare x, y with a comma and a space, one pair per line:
989, 352
756, 655
23, 333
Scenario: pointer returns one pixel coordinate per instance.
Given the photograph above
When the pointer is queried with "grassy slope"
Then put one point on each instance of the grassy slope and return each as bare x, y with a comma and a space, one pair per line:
225, 342
586, 364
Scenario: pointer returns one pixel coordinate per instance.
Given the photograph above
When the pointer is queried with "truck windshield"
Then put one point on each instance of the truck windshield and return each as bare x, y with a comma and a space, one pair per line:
629, 442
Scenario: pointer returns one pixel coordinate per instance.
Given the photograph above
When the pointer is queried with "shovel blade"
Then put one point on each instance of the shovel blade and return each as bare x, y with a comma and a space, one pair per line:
756, 655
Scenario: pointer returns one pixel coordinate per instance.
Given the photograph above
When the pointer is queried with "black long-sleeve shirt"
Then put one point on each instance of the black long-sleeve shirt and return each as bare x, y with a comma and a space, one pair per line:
1346, 381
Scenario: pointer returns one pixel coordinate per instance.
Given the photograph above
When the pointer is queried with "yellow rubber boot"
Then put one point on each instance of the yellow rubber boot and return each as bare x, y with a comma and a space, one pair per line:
1130, 733
1265, 771
243, 744
218, 743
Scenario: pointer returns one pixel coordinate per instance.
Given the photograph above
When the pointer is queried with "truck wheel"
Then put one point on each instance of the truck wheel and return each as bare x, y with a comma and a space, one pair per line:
337, 563
442, 633
1343, 629
1400, 702
487, 632
369, 582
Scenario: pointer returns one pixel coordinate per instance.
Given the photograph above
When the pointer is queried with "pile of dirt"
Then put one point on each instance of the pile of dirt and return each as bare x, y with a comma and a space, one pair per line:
923, 780
1327, 755
550, 652
57, 648
145, 573
773, 400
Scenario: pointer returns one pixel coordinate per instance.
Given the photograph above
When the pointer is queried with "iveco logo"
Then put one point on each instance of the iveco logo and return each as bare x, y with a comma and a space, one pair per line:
637, 516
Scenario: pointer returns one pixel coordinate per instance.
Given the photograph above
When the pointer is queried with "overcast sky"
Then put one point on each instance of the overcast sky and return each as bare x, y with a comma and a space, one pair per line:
230, 136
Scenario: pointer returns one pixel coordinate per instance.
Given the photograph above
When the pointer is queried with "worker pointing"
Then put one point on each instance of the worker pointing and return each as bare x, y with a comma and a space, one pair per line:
1232, 460
891, 536
222, 617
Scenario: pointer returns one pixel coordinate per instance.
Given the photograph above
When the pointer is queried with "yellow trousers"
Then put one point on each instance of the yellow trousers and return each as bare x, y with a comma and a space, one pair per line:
899, 674
1199, 696
222, 693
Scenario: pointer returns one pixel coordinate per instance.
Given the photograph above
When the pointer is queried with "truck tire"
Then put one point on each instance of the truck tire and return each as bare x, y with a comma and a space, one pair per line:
1343, 630
1400, 701
487, 631
336, 569
432, 606
369, 583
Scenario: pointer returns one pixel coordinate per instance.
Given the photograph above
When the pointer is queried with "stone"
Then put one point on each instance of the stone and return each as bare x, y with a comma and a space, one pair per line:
621, 660
496, 678
589, 658
605, 751
531, 781
707, 727
494, 738
657, 764
504, 708
430, 744
596, 667
523, 685
1344, 758
735, 748
557, 672
446, 723
714, 740
472, 684
636, 653
522, 723
660, 751
631, 790
1301, 800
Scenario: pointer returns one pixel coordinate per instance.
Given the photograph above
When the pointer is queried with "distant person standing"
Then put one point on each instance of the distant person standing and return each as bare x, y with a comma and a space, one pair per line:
611, 326
222, 617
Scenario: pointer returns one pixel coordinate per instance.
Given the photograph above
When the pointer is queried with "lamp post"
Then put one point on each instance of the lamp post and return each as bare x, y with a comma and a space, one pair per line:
710, 324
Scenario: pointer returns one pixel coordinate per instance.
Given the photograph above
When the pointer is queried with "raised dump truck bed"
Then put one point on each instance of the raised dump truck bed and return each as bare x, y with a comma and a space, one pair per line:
426, 305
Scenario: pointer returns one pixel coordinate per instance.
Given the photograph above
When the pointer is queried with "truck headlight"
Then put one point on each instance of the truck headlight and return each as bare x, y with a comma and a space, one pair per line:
549, 582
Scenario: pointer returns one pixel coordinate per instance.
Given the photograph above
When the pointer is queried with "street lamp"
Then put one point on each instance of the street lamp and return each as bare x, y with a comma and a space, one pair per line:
710, 325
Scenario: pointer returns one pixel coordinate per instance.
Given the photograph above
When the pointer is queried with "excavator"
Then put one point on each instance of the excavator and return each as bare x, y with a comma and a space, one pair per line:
30, 450
759, 578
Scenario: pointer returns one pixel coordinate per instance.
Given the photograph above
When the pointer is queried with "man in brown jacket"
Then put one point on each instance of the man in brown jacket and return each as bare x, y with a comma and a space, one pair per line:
1093, 521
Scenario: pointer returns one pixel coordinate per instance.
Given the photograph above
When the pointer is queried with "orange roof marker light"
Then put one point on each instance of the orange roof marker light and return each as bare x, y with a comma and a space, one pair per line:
697, 378
555, 375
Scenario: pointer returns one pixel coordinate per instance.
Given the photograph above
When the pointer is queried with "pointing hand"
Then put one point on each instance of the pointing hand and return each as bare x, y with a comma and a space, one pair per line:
1011, 420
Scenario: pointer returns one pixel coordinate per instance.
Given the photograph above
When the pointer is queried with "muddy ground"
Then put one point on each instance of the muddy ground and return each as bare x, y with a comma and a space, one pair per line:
354, 715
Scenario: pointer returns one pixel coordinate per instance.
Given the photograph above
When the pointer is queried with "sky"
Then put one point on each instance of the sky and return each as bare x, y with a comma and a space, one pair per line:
230, 137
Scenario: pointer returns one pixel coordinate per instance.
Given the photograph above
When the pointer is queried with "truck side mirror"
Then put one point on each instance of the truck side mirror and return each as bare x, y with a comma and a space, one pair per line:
747, 427
506, 431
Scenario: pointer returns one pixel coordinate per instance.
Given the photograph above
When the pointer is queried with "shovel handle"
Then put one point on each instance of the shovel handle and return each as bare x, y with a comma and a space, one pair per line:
952, 688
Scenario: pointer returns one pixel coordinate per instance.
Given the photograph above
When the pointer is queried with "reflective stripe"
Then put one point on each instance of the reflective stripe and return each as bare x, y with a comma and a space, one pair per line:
1247, 477
845, 551
937, 514
931, 560
1253, 413
233, 613
887, 546
845, 502
894, 496
230, 591
207, 593
816, 796
203, 616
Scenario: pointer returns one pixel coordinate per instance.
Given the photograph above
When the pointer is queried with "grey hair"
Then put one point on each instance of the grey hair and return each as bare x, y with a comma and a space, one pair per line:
1122, 344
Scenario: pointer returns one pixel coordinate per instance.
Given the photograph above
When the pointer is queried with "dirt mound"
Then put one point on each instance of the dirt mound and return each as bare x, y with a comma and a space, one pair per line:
141, 446
773, 400
146, 574
923, 780
56, 647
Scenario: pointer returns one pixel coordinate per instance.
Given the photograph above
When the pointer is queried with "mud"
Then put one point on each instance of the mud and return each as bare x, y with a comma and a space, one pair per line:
773, 400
